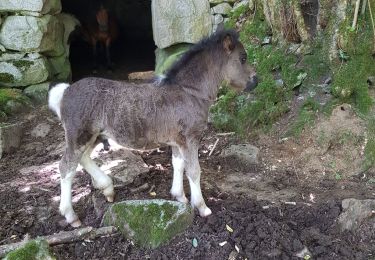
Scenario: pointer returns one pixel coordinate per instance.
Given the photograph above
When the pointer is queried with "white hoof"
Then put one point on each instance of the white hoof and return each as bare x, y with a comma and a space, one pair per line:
205, 212
182, 199
76, 223
109, 193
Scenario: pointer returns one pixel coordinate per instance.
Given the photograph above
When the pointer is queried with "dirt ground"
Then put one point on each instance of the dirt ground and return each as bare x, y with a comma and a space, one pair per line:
276, 209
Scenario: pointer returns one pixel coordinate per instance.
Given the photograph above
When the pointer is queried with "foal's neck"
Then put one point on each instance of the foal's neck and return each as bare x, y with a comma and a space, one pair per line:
201, 77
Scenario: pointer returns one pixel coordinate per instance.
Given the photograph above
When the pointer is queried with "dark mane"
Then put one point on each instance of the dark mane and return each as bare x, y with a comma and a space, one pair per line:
210, 42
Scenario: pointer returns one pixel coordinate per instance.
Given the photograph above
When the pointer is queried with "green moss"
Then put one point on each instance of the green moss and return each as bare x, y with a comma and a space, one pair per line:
6, 78
22, 64
150, 225
33, 250
8, 94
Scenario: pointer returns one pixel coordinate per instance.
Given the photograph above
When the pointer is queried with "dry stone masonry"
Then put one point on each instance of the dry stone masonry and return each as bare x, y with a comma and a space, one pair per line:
178, 24
34, 45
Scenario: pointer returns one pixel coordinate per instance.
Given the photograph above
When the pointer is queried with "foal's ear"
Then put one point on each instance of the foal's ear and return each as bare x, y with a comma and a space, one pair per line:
228, 43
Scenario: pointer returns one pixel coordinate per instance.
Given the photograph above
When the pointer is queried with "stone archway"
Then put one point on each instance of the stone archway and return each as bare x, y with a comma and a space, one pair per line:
41, 56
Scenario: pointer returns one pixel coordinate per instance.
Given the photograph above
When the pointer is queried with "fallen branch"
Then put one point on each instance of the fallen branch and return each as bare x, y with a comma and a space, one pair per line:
357, 4
63, 237
225, 134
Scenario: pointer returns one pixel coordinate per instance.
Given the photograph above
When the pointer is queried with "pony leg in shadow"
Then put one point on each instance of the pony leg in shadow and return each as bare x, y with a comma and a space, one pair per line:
94, 44
108, 54
99, 179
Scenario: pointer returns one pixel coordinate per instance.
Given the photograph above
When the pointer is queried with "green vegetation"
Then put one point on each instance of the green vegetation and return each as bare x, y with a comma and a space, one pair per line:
240, 113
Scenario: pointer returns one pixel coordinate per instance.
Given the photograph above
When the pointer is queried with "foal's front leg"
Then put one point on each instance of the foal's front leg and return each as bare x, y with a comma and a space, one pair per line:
193, 172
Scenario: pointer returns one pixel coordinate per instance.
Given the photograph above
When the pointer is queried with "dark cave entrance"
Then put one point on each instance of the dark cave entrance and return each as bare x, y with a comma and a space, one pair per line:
133, 49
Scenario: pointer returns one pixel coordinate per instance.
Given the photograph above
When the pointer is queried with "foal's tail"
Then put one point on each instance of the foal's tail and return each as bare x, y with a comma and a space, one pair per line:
55, 95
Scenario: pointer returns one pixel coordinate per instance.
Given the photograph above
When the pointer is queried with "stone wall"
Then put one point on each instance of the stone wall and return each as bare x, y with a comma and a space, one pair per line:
178, 24
34, 42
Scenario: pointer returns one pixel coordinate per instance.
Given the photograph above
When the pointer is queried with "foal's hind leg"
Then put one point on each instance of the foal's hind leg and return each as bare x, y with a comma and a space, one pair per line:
178, 163
99, 179
193, 172
68, 166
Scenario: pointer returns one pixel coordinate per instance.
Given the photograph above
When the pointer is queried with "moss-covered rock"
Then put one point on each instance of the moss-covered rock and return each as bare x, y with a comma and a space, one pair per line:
150, 223
23, 71
60, 68
37, 93
9, 97
32, 250
166, 57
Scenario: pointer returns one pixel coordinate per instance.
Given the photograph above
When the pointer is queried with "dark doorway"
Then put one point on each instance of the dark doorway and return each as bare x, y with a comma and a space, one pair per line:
132, 51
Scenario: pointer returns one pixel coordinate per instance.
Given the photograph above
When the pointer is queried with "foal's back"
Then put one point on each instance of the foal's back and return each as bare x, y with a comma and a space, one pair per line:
137, 115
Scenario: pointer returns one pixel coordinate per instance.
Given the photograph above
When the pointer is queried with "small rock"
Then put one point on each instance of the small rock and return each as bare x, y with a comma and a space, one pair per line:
328, 80
371, 80
149, 223
130, 167
279, 82
41, 130
223, 9
10, 137
34, 249
355, 212
246, 153
267, 40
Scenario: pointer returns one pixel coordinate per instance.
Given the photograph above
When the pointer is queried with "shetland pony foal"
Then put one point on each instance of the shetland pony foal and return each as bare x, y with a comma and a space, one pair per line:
173, 112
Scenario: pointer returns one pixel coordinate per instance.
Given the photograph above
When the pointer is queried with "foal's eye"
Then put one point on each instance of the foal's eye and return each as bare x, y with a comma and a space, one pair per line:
243, 60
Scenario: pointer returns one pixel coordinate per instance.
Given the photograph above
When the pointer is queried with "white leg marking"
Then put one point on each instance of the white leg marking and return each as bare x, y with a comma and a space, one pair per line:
66, 208
99, 178
193, 172
178, 163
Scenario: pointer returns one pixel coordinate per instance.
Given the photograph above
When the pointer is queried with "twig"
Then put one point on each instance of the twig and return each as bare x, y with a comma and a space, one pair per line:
63, 237
140, 188
213, 148
225, 134
372, 21
354, 25
363, 8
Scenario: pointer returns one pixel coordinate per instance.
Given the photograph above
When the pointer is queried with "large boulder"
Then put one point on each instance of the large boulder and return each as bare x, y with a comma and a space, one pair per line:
149, 223
23, 71
180, 21
166, 57
31, 6
33, 34
223, 8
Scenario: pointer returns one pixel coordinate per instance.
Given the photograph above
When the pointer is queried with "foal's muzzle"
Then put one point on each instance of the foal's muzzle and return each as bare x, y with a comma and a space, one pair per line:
251, 84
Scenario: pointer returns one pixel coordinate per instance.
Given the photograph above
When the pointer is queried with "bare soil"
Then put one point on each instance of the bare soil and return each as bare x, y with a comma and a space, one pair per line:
276, 209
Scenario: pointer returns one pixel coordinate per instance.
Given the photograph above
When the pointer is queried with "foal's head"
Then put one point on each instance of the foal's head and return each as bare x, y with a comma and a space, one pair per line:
102, 18
237, 72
